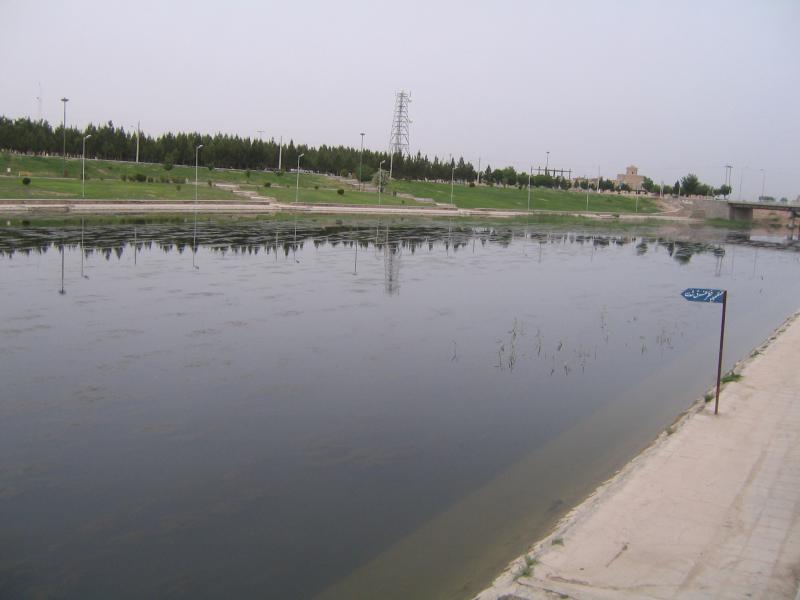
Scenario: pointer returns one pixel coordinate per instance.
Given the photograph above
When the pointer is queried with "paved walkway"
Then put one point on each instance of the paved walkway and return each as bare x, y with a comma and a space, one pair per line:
711, 510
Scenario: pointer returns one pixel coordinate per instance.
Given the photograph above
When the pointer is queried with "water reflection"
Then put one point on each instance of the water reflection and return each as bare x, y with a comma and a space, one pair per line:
387, 402
280, 238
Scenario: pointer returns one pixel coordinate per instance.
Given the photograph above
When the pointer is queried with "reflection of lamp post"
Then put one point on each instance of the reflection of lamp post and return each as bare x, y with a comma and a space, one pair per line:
361, 162
194, 236
83, 166
380, 180
64, 128
297, 187
62, 291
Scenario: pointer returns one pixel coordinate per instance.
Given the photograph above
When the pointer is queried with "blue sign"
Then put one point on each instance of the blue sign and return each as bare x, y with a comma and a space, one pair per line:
703, 295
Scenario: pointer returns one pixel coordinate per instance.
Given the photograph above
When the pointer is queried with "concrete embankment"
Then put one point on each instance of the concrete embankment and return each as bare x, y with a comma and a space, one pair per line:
710, 510
259, 205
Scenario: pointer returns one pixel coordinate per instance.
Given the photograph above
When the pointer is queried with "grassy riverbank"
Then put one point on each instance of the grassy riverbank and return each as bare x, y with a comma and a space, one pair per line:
119, 180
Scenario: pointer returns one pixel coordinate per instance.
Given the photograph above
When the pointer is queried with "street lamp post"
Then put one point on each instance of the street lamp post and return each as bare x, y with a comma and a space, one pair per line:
361, 162
547, 162
530, 174
763, 183
137, 140
452, 179
297, 187
741, 181
196, 172
380, 180
83, 166
64, 129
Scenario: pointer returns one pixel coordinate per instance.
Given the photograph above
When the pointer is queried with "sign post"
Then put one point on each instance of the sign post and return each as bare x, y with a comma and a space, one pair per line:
717, 297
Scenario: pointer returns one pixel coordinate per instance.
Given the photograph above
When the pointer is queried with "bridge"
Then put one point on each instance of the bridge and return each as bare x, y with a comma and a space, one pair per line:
743, 211
738, 210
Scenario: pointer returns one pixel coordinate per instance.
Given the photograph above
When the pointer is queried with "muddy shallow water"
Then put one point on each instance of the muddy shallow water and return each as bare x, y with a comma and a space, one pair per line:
344, 411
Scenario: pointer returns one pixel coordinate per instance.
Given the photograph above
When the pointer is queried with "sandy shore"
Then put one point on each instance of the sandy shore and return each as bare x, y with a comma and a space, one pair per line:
710, 510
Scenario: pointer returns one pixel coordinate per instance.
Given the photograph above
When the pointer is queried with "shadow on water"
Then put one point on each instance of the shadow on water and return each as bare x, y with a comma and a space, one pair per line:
358, 410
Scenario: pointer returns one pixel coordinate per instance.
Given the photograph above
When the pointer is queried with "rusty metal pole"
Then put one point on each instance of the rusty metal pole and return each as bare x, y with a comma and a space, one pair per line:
721, 344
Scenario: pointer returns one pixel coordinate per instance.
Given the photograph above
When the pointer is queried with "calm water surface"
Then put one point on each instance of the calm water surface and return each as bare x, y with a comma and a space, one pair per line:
381, 410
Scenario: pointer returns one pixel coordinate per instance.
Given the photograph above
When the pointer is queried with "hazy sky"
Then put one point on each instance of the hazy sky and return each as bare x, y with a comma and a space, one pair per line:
672, 86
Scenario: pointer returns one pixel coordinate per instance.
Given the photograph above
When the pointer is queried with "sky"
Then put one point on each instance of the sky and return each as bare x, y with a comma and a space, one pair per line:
671, 86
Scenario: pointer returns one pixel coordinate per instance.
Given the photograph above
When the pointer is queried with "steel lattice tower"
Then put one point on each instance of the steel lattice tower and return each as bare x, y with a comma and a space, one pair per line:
399, 139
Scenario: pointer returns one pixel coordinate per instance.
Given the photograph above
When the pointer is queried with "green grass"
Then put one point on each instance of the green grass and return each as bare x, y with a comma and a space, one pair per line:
104, 181
13, 188
329, 196
730, 377
38, 167
728, 224
517, 199
527, 570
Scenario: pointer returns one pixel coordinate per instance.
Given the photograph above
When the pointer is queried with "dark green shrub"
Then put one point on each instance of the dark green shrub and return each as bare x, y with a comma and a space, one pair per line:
340, 191
267, 184
140, 177
26, 181
168, 165
471, 184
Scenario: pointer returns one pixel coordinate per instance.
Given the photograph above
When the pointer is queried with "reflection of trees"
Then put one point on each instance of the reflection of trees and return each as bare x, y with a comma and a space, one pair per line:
279, 238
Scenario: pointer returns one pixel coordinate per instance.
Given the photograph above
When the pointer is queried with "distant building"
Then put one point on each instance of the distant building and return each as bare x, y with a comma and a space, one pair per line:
632, 178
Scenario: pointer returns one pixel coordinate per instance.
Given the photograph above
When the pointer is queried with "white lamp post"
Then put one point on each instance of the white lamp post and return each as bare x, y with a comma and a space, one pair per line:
452, 178
297, 187
83, 166
64, 129
530, 174
138, 134
380, 180
360, 163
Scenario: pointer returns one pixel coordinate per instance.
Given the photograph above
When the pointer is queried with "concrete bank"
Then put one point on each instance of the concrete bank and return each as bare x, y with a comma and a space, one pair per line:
269, 206
710, 510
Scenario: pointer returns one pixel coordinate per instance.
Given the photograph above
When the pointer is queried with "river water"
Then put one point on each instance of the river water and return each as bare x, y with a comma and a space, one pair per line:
304, 410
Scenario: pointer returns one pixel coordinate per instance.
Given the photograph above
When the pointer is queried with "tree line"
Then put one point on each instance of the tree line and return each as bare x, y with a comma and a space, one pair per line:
110, 142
